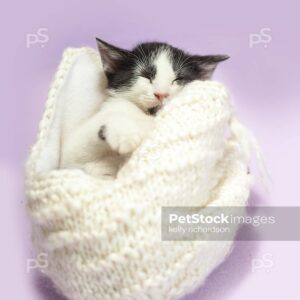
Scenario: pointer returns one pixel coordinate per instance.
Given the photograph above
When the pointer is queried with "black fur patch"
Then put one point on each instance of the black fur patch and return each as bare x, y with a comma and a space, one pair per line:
153, 110
102, 133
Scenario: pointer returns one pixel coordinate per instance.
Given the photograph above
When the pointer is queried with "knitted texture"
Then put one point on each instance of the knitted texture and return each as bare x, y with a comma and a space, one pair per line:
103, 238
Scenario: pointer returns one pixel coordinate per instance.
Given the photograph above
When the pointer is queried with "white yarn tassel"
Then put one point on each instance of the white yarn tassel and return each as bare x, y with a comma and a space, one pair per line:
248, 144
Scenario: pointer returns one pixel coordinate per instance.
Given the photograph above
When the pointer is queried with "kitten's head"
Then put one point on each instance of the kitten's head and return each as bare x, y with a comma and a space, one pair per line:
153, 72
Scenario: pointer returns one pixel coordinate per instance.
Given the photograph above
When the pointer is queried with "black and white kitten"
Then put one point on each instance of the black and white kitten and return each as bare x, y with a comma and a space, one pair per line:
139, 81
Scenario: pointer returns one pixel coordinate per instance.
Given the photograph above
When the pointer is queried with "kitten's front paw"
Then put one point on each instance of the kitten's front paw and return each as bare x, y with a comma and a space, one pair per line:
125, 144
126, 137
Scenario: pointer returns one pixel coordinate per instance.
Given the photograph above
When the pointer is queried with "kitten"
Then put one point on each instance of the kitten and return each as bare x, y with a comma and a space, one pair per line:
139, 81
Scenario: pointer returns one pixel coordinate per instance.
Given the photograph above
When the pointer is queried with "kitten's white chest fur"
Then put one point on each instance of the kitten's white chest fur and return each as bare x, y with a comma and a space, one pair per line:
125, 127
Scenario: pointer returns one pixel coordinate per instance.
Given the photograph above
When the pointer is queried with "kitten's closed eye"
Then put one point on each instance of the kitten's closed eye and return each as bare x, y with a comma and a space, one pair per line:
147, 77
148, 72
178, 79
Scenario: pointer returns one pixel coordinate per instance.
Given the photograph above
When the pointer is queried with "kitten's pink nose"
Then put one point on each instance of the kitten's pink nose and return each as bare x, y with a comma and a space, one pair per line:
161, 96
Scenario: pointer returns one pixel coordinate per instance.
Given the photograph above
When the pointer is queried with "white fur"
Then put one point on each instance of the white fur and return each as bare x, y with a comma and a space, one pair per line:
163, 81
123, 114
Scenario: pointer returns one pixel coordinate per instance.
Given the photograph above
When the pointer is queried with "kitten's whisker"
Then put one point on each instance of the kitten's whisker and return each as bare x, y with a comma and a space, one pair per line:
138, 60
143, 54
183, 64
179, 61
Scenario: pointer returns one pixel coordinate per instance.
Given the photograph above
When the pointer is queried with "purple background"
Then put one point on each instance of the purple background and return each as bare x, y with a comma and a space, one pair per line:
263, 80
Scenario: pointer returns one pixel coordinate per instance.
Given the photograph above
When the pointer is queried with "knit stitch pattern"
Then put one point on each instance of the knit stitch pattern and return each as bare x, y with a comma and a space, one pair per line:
103, 238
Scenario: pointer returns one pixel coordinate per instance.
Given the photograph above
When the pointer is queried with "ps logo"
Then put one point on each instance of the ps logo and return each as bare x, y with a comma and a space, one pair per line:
263, 37
264, 263
40, 37
41, 262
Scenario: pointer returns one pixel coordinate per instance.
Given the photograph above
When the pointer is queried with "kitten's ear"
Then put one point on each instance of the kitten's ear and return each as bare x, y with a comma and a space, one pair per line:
207, 64
110, 55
